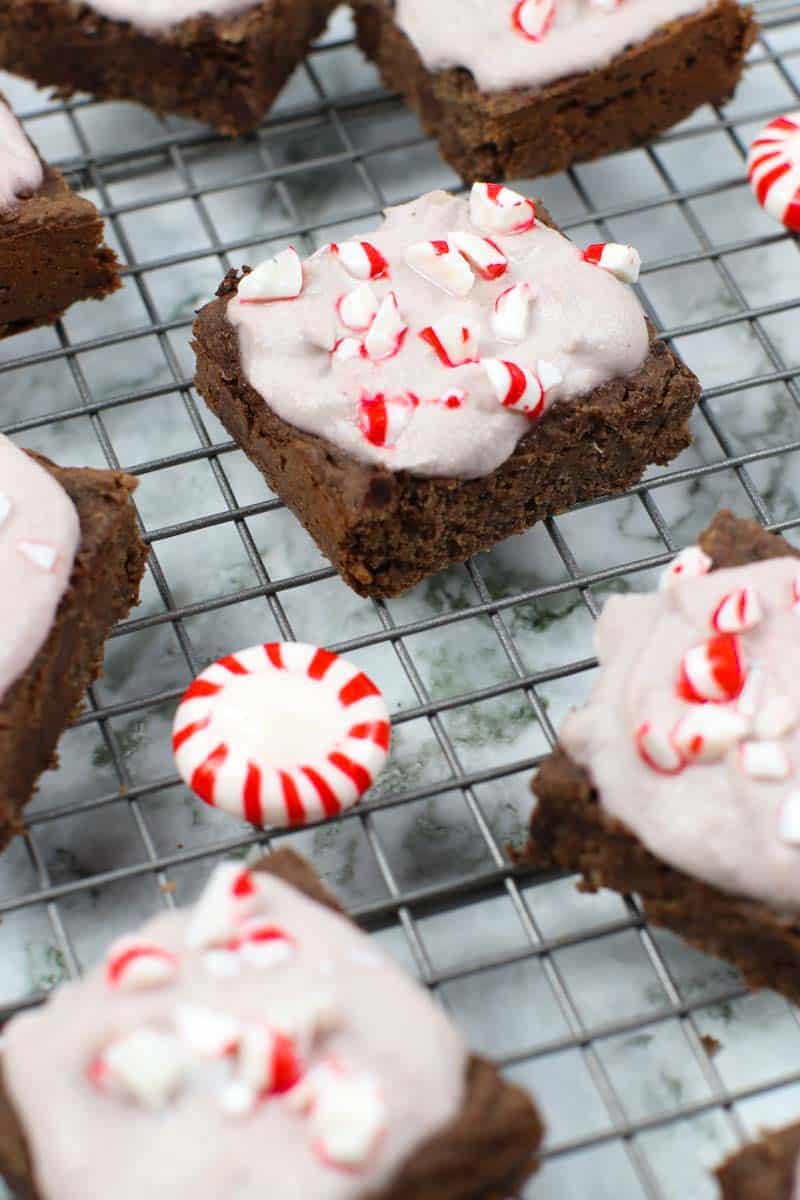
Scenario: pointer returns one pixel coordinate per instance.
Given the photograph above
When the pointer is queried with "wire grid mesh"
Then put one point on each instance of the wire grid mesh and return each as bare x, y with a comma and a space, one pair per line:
649, 1061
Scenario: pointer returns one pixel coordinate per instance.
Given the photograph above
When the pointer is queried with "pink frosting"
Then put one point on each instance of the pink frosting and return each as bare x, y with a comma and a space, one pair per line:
344, 1006
39, 535
20, 167
480, 35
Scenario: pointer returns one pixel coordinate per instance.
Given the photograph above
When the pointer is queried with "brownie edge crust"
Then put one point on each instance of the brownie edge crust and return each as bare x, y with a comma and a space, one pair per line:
486, 1153
764, 1170
570, 830
525, 132
384, 531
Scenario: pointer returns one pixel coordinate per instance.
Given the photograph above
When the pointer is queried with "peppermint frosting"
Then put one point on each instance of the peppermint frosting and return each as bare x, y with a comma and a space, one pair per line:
433, 344
39, 535
692, 732
507, 44
20, 168
253, 1046
155, 15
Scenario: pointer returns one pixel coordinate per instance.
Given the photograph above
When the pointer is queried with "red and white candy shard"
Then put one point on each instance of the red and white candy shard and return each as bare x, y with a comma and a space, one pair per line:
482, 254
133, 965
707, 732
347, 1114
230, 898
658, 749
279, 278
441, 264
773, 169
41, 554
263, 944
454, 339
348, 348
533, 18
357, 309
511, 316
775, 718
268, 1062
206, 1032
789, 820
387, 331
495, 208
362, 260
738, 611
623, 262
383, 419
515, 386
768, 761
454, 398
712, 671
146, 1066
691, 563
279, 735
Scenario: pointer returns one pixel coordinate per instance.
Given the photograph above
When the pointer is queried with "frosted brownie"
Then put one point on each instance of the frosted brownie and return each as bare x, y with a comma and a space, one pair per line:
678, 780
765, 1170
515, 90
256, 1045
51, 240
219, 61
70, 564
418, 395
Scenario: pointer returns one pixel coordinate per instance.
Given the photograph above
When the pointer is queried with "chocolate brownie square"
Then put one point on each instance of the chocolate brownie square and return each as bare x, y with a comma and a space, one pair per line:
58, 607
679, 784
343, 1096
765, 1170
468, 386
511, 96
219, 61
51, 240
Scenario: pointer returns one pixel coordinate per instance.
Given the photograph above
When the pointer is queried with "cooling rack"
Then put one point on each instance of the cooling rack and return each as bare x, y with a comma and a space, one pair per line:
649, 1060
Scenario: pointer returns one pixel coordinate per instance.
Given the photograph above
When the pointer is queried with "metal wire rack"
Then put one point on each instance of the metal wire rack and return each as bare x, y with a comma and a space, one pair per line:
649, 1061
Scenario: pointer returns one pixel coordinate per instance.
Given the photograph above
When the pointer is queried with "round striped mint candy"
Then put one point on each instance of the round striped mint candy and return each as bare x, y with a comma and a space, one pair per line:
773, 169
281, 734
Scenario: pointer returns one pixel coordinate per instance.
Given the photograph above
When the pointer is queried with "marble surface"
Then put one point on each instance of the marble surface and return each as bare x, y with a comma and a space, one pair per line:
325, 175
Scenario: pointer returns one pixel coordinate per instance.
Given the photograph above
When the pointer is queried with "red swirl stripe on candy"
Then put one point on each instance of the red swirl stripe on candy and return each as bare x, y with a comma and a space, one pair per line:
773, 168
217, 737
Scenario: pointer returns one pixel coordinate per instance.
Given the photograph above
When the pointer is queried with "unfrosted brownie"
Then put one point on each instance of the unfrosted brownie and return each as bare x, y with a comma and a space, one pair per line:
766, 1170
514, 90
678, 780
219, 61
256, 1045
70, 563
51, 240
420, 395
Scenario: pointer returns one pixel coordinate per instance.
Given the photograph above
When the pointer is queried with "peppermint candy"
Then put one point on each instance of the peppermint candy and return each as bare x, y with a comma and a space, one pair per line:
362, 260
766, 761
42, 555
482, 254
454, 339
707, 732
511, 316
346, 1111
230, 898
441, 264
773, 168
737, 612
495, 208
279, 278
518, 387
383, 419
206, 1032
387, 331
658, 750
357, 309
147, 1067
533, 18
691, 563
623, 262
712, 671
281, 734
133, 965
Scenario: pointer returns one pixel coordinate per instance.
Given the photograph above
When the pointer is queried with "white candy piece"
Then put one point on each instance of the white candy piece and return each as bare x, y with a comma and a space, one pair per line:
347, 349
441, 264
481, 253
264, 952
146, 1066
533, 18
515, 386
362, 260
511, 316
455, 340
707, 732
658, 750
495, 208
348, 1115
225, 964
789, 820
750, 696
549, 376
738, 611
777, 717
41, 554
134, 966
279, 278
623, 262
768, 761
385, 336
230, 897
5, 508
205, 1032
357, 309
691, 563
383, 419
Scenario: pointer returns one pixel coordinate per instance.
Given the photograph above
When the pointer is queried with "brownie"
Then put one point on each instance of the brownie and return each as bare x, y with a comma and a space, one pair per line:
765, 1170
570, 830
385, 530
525, 132
225, 71
486, 1153
103, 586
